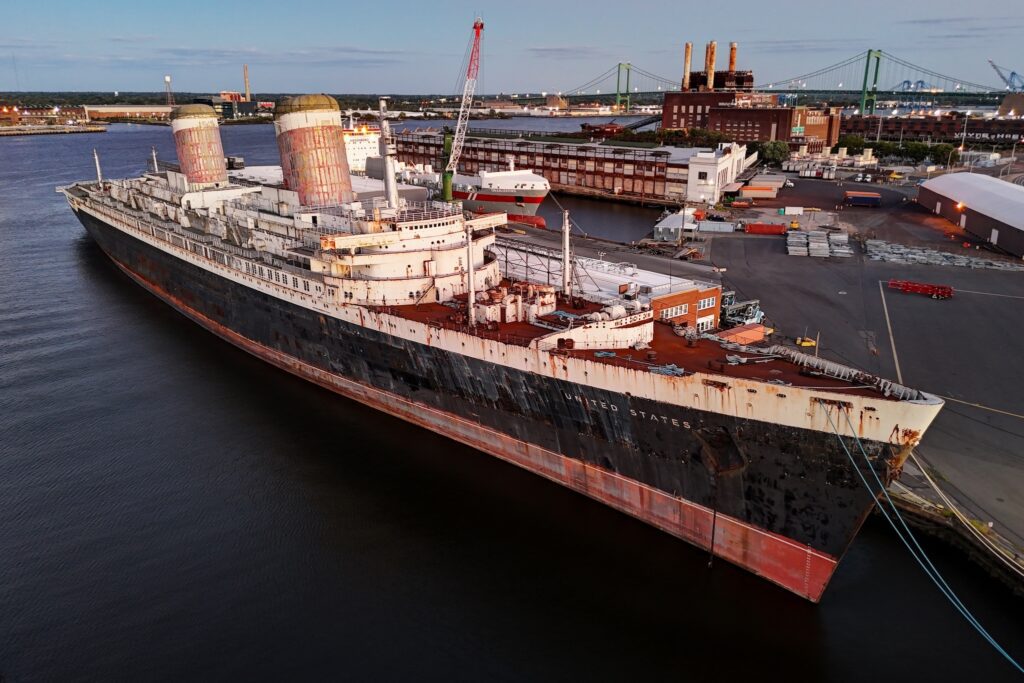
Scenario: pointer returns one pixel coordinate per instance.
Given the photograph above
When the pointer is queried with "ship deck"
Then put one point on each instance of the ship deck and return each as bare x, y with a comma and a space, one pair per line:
667, 349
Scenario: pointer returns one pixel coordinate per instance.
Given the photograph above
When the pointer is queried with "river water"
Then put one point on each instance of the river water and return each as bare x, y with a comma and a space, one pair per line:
171, 508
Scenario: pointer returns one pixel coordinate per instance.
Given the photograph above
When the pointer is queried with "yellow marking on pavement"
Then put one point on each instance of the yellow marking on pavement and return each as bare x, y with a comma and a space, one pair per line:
978, 405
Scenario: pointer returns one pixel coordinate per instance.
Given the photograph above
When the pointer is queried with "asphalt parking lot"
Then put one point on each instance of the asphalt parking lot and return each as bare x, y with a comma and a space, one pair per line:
965, 349
899, 219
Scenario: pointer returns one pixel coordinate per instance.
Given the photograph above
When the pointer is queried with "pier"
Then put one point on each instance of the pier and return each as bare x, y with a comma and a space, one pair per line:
11, 131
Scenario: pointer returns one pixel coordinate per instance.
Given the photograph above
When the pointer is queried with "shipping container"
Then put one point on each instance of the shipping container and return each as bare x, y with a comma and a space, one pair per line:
765, 229
862, 198
759, 192
715, 226
775, 181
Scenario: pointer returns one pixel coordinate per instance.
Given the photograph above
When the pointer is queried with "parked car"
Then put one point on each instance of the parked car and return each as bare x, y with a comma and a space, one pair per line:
788, 183
867, 179
859, 178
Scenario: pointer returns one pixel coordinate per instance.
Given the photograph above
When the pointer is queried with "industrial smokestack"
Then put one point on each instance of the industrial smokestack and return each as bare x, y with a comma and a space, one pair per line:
710, 67
197, 141
732, 57
687, 55
312, 145
245, 77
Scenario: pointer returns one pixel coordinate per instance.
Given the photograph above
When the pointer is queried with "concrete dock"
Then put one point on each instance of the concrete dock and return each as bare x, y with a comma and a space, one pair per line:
12, 131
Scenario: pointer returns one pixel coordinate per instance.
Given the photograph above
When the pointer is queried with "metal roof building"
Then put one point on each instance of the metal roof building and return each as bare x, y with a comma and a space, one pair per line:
988, 208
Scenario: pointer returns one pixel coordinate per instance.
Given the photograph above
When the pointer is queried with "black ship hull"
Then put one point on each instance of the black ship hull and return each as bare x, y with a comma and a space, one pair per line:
780, 501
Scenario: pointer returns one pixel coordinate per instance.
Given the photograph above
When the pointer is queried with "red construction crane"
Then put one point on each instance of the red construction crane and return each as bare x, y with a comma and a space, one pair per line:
468, 88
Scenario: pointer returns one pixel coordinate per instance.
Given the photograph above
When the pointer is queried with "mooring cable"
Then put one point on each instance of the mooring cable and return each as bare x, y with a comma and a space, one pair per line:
927, 566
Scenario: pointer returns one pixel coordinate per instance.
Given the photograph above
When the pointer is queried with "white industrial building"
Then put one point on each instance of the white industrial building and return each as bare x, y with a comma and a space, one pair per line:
986, 207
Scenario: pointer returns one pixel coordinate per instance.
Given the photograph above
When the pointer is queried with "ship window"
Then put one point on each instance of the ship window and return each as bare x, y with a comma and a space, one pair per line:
305, 285
295, 282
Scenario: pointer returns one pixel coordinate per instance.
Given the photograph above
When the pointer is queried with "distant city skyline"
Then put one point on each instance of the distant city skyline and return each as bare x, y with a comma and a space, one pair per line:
417, 48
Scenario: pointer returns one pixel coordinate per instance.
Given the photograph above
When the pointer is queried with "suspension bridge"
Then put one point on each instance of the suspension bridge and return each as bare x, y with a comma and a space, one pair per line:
865, 79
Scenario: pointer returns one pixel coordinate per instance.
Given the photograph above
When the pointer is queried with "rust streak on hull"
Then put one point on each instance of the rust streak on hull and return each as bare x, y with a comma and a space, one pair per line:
794, 566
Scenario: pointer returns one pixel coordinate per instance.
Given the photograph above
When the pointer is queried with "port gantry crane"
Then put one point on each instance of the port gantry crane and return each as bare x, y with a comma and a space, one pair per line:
1013, 80
468, 88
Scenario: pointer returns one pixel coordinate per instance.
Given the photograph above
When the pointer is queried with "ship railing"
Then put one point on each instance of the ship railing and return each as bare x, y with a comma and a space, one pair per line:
829, 368
138, 217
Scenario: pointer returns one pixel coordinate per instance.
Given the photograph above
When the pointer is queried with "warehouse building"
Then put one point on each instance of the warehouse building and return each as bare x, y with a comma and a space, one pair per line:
948, 127
986, 207
668, 175
120, 112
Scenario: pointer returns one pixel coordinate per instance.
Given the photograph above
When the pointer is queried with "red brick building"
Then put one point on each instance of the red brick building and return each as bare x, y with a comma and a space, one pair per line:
9, 114
752, 117
52, 116
947, 128
107, 112
691, 109
697, 307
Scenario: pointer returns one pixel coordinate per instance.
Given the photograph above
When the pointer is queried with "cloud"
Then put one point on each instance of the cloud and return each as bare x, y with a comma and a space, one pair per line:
131, 40
26, 44
957, 21
849, 46
934, 21
567, 52
183, 57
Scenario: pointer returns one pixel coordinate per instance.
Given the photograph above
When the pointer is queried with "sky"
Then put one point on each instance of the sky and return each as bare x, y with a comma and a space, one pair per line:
529, 45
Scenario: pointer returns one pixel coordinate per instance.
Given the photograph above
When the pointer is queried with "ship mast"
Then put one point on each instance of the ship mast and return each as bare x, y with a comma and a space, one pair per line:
468, 88
387, 150
470, 271
566, 257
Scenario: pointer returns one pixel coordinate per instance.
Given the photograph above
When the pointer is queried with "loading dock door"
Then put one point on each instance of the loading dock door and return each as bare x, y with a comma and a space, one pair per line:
938, 207
994, 239
963, 220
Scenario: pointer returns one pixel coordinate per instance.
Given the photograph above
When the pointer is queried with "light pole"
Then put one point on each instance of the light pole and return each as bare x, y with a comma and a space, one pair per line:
1013, 157
963, 136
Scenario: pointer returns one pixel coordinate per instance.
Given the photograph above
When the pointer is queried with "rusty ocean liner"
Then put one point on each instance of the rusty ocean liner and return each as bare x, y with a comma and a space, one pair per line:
406, 307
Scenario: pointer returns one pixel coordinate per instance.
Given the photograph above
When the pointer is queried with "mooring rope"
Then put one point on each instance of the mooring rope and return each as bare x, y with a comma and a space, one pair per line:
925, 563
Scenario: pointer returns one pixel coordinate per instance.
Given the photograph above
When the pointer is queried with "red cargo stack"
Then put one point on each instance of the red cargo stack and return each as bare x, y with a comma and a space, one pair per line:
765, 229
934, 291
